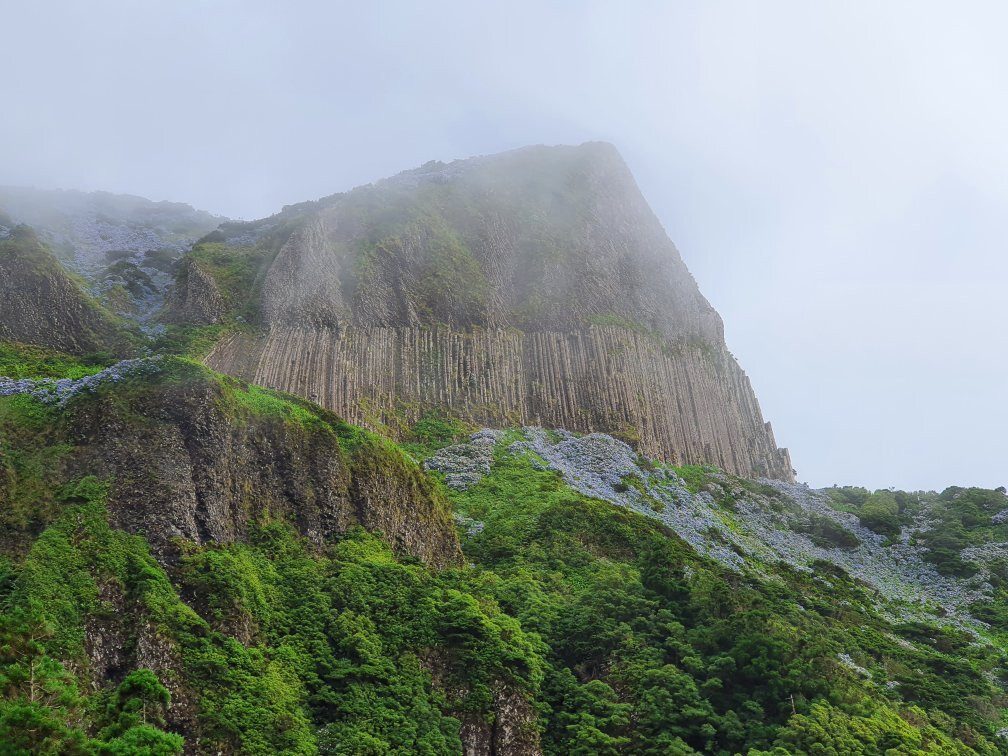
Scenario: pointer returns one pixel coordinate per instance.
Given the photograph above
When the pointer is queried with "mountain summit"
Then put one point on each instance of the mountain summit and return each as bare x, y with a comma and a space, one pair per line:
533, 287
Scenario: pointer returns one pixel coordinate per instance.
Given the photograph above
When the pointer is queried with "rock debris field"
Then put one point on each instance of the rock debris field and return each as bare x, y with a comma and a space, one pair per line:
754, 529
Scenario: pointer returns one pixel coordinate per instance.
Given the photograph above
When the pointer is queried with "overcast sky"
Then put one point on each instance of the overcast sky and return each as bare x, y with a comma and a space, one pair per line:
835, 174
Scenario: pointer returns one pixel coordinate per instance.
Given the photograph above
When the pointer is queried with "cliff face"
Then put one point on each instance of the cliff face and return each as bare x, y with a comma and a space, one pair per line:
41, 304
195, 297
220, 466
682, 406
534, 286
539, 239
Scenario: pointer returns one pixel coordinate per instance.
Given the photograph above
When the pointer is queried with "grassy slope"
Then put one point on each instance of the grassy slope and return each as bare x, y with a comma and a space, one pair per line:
672, 646
626, 639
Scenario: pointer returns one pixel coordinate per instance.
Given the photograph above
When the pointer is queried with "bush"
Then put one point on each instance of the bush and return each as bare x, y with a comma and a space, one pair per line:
827, 533
880, 512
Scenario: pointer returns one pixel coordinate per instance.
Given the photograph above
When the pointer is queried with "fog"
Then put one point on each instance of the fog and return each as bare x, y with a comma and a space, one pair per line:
835, 174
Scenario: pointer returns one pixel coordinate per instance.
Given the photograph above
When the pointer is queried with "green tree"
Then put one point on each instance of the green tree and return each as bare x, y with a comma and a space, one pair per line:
38, 697
140, 699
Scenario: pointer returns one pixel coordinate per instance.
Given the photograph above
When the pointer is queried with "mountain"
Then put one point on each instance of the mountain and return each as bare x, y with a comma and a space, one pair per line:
531, 287
41, 303
192, 562
123, 246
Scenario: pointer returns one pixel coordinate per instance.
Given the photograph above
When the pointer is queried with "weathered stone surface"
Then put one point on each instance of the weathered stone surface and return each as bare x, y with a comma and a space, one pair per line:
509, 731
216, 471
195, 298
41, 304
535, 286
687, 406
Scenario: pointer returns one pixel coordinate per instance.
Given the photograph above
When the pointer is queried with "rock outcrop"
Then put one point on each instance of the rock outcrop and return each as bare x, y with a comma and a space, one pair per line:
41, 304
123, 246
195, 297
683, 406
534, 286
220, 467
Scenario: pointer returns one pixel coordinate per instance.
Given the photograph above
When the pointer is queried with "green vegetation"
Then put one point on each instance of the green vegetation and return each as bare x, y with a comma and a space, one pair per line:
433, 431
235, 270
195, 341
652, 649
287, 649
826, 533
26, 361
45, 600
694, 476
606, 632
848, 498
965, 517
959, 518
30, 460
880, 513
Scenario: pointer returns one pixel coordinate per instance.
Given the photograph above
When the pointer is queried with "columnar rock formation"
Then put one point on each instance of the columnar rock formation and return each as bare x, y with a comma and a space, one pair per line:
686, 406
534, 286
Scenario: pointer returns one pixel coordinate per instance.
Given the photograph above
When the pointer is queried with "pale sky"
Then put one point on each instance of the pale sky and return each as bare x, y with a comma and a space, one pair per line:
835, 174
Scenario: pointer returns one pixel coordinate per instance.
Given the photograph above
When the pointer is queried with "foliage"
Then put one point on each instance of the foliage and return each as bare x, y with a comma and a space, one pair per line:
880, 512
694, 476
194, 341
828, 533
965, 517
25, 361
654, 650
434, 431
620, 637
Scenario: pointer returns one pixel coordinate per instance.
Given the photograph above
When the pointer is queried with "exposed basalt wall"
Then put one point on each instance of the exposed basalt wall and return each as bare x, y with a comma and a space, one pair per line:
185, 464
690, 404
195, 298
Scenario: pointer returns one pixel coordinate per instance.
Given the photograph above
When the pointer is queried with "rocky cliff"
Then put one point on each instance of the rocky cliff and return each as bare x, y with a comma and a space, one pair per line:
684, 405
40, 303
226, 458
534, 286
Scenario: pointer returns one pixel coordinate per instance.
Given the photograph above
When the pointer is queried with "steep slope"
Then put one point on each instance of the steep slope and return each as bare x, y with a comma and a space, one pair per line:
123, 246
228, 455
812, 634
179, 544
534, 286
134, 502
40, 303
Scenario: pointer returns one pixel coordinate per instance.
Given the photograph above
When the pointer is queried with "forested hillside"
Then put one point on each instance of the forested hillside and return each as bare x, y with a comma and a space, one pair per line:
587, 600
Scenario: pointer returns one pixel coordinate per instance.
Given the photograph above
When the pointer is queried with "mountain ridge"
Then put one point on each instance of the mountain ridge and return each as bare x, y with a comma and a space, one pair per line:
440, 267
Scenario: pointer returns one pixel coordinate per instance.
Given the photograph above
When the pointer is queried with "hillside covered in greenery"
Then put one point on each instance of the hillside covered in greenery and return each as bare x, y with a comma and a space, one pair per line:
651, 616
193, 562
